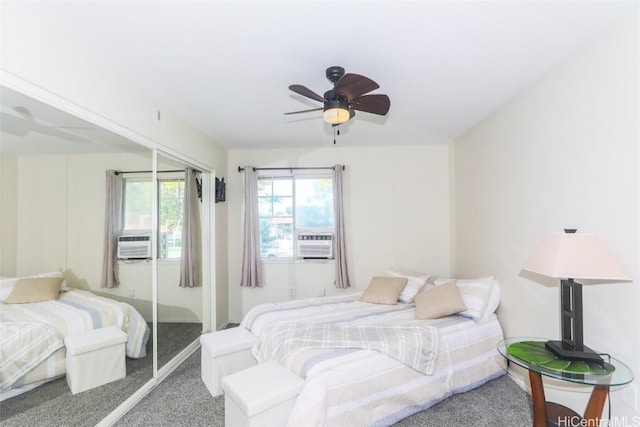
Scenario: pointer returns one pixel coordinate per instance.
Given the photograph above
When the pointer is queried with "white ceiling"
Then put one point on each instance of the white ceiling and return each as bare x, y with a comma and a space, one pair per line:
226, 65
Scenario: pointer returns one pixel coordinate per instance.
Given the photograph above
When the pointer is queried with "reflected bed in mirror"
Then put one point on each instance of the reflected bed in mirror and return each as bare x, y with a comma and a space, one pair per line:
36, 323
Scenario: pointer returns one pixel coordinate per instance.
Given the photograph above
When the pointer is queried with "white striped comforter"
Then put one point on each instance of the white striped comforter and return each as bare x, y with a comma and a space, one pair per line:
414, 345
74, 312
354, 387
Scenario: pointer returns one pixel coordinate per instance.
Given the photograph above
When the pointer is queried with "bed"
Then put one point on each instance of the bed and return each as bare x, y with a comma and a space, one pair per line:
32, 334
363, 385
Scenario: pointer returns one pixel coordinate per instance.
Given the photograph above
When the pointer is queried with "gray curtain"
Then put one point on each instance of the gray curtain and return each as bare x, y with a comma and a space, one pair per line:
112, 226
191, 260
342, 272
251, 274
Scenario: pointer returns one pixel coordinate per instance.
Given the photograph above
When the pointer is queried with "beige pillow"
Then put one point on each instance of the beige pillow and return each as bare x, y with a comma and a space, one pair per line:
35, 289
384, 290
439, 301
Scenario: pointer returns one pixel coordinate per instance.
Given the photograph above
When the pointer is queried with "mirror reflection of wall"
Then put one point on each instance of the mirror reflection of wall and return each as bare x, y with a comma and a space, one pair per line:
52, 221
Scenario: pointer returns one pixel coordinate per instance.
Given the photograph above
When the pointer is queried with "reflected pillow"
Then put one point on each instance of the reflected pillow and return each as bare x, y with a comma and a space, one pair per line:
7, 283
439, 301
6, 286
384, 290
35, 289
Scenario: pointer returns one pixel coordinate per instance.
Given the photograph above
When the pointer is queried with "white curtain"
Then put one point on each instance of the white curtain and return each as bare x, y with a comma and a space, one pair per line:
112, 226
191, 260
251, 274
342, 272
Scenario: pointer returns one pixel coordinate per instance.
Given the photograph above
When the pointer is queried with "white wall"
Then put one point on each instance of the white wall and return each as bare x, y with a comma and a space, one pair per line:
562, 154
397, 214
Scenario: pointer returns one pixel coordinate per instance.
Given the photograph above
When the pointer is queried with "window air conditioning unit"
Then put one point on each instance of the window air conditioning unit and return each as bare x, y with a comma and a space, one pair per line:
315, 246
134, 246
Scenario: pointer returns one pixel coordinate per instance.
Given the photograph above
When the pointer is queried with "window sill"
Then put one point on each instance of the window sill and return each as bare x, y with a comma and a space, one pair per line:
148, 261
296, 261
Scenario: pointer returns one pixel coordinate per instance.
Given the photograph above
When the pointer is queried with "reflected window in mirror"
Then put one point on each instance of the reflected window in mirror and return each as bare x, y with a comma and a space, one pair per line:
137, 205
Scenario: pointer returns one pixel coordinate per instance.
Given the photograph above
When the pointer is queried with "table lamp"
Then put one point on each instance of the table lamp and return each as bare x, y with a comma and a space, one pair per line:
568, 256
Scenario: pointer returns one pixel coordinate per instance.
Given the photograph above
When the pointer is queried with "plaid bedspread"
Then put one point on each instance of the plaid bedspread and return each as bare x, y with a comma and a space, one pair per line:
23, 346
414, 345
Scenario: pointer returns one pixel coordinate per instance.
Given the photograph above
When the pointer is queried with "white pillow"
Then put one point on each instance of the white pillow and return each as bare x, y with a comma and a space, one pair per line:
481, 296
475, 293
416, 282
494, 300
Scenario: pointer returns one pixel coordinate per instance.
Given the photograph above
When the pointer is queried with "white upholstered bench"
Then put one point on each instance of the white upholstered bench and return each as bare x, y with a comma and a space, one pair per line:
225, 352
263, 395
95, 358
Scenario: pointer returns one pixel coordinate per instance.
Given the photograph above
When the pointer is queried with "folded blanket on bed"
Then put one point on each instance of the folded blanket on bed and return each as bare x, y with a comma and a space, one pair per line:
23, 345
414, 345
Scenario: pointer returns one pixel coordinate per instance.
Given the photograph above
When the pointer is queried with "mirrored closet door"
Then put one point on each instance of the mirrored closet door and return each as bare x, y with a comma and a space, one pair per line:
53, 202
181, 191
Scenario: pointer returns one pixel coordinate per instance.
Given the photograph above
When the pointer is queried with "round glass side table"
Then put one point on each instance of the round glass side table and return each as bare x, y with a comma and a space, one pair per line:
529, 354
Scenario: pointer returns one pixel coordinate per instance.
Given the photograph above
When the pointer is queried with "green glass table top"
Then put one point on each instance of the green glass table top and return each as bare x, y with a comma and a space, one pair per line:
531, 354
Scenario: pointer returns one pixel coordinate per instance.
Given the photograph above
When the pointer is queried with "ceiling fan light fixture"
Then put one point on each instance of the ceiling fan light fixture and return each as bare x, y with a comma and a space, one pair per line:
336, 112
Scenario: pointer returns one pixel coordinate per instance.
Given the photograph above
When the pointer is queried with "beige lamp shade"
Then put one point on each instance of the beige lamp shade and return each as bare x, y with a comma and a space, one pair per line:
575, 256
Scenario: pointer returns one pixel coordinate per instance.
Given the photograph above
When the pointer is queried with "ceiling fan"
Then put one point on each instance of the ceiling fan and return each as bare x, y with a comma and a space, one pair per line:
349, 94
25, 123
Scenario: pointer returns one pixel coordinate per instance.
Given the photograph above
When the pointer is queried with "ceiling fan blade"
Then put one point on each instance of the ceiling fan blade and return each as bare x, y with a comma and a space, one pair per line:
305, 111
375, 104
24, 112
302, 90
352, 86
59, 133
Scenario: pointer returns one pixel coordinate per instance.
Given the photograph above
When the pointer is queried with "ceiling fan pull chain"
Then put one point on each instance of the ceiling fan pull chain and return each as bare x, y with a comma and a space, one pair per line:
334, 136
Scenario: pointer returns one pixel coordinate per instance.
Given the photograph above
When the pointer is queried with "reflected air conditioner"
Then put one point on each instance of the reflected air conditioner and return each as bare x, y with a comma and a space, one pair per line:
134, 246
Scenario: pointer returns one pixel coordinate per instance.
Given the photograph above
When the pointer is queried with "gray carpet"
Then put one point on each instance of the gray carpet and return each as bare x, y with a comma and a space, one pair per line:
182, 400
52, 404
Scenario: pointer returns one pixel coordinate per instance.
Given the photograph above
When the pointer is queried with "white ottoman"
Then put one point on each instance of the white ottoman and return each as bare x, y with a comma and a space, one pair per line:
223, 353
260, 396
95, 358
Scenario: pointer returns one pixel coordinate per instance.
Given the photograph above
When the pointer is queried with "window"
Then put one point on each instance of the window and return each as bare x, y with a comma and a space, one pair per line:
288, 205
137, 208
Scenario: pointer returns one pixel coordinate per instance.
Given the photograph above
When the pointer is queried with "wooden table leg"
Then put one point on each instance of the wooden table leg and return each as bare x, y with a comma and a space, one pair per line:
539, 401
596, 404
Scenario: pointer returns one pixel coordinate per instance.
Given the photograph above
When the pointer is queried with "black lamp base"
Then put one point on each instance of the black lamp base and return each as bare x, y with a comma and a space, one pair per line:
564, 351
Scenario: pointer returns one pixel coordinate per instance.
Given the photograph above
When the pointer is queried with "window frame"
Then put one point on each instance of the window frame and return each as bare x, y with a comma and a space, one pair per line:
295, 231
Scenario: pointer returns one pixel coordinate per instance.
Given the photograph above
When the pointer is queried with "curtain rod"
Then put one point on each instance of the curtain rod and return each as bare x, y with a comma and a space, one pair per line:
171, 171
240, 168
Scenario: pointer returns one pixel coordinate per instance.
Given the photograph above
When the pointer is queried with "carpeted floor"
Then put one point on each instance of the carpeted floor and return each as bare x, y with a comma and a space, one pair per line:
182, 400
52, 404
